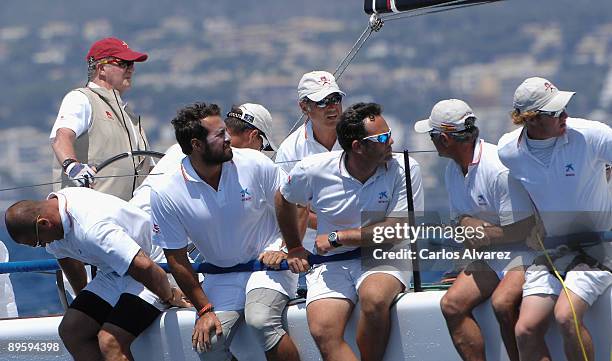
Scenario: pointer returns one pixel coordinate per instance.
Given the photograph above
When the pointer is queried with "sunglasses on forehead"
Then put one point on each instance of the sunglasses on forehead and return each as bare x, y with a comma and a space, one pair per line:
333, 100
379, 138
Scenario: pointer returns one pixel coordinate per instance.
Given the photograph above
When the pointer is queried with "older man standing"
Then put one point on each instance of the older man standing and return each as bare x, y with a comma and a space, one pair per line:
561, 163
95, 123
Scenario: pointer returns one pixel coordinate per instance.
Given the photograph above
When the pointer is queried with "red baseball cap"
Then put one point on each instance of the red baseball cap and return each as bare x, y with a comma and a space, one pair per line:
116, 48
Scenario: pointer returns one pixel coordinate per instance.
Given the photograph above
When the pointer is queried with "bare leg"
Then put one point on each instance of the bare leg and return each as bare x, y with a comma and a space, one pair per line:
327, 320
472, 287
376, 293
79, 334
284, 350
565, 320
506, 301
115, 343
533, 322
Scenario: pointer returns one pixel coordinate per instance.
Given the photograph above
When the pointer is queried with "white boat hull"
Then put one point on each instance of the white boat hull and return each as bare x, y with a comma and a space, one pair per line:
418, 332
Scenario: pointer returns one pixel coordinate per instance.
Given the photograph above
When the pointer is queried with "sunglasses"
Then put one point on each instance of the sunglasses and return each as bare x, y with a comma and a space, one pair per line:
123, 64
333, 100
379, 138
556, 114
38, 242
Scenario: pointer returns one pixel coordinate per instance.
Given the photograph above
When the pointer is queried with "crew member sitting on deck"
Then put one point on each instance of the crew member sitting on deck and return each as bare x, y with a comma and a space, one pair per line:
560, 161
340, 185
481, 194
222, 199
80, 225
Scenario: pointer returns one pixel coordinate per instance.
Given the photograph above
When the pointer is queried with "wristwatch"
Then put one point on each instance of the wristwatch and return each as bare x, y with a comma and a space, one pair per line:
67, 162
332, 238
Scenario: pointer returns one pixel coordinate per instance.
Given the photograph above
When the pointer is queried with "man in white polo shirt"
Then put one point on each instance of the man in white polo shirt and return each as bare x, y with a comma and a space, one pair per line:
561, 163
481, 194
340, 186
80, 225
320, 100
222, 199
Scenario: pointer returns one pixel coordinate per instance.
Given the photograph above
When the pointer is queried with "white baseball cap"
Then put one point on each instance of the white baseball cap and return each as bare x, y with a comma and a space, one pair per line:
540, 94
316, 85
260, 118
446, 116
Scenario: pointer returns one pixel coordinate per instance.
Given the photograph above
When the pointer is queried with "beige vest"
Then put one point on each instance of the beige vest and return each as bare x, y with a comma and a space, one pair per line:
108, 136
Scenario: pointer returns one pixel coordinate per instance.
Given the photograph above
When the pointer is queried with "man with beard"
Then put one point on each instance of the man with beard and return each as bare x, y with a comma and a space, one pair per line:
561, 163
223, 201
320, 100
342, 187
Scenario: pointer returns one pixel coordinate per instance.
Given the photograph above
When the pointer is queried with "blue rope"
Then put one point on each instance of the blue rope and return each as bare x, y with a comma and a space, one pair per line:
251, 266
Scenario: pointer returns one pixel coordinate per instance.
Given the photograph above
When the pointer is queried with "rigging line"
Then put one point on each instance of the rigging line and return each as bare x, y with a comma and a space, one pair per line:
342, 66
144, 175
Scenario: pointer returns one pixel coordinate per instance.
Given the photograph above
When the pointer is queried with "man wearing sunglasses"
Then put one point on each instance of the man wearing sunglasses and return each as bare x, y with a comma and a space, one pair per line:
129, 291
341, 186
94, 123
250, 126
481, 194
320, 100
561, 163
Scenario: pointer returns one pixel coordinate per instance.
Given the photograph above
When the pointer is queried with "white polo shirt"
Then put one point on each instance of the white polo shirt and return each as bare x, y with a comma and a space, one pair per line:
231, 225
167, 165
75, 113
339, 199
571, 194
100, 229
298, 145
486, 191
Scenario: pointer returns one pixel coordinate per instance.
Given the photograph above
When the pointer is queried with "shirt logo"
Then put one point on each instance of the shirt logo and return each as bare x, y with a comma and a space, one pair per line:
383, 197
109, 115
481, 200
245, 195
156, 229
569, 170
288, 179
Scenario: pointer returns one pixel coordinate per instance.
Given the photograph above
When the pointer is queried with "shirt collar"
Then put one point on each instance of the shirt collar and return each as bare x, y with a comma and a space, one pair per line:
309, 136
189, 173
345, 173
93, 85
477, 152
521, 143
65, 216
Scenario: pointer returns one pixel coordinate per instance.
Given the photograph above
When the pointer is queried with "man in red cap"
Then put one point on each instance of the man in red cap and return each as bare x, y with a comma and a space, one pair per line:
94, 124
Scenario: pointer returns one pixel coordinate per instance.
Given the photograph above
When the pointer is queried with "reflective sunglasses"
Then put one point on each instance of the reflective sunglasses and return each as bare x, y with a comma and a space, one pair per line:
333, 100
379, 138
38, 242
123, 64
556, 114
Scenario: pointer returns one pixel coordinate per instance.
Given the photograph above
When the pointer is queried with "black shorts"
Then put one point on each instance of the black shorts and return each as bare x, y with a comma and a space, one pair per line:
131, 313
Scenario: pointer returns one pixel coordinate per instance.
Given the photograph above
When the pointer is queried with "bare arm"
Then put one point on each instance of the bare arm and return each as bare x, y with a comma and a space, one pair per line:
147, 272
287, 217
185, 277
498, 235
63, 144
75, 272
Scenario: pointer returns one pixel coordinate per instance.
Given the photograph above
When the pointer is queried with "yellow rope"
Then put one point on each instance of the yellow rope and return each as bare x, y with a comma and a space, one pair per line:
576, 325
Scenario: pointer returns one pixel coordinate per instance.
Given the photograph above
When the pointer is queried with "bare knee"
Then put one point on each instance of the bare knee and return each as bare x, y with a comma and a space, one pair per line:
373, 303
111, 344
527, 331
565, 320
452, 308
503, 306
71, 334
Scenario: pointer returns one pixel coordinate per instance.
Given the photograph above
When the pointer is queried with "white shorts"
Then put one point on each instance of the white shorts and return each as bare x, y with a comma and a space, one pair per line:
110, 286
502, 266
341, 279
284, 282
586, 282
